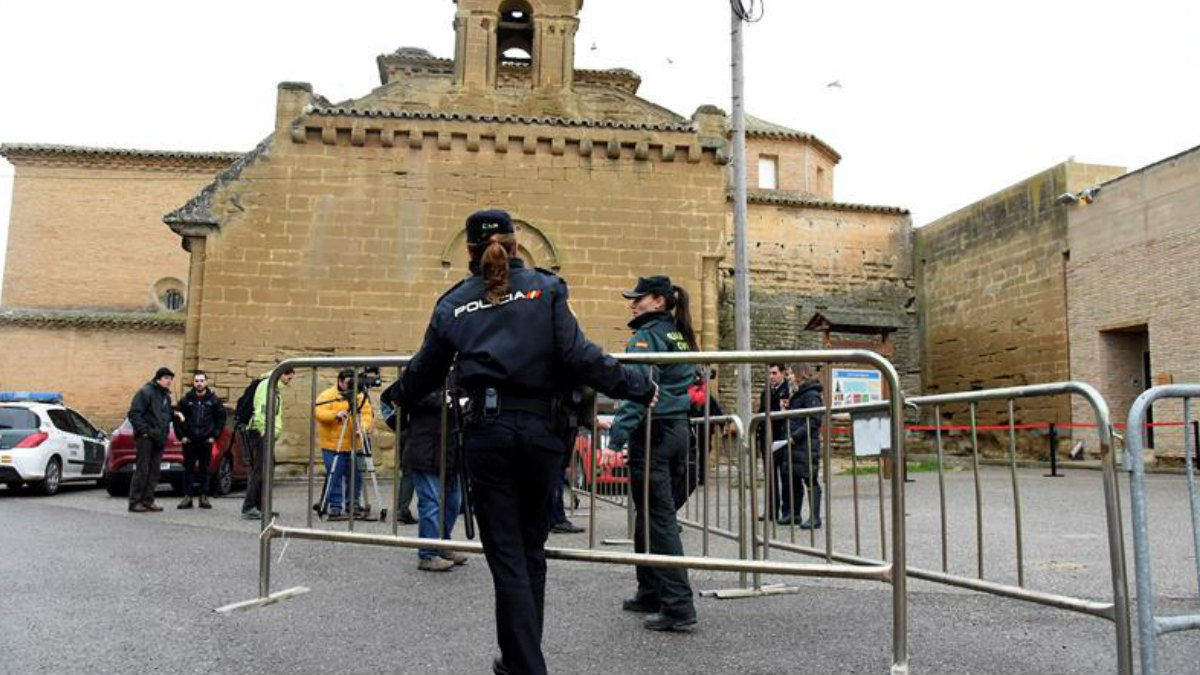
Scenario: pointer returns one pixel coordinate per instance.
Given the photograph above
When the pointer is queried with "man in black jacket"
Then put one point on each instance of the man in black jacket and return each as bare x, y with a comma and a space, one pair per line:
805, 434
150, 415
777, 396
201, 425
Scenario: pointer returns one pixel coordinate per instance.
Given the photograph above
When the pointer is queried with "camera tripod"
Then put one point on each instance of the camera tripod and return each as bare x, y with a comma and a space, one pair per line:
366, 466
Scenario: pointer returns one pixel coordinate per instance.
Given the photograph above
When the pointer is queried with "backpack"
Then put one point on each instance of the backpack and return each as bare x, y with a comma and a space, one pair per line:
244, 411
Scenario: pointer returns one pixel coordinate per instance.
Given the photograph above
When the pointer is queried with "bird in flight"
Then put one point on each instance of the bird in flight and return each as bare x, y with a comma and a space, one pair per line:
836, 84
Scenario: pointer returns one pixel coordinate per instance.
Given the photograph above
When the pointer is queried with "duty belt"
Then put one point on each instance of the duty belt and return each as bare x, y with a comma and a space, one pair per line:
489, 402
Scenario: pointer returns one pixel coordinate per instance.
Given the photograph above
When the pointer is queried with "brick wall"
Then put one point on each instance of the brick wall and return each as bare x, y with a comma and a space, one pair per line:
86, 231
97, 370
1133, 267
993, 299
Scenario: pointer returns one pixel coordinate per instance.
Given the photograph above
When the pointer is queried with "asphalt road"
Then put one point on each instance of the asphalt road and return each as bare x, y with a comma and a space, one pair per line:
91, 588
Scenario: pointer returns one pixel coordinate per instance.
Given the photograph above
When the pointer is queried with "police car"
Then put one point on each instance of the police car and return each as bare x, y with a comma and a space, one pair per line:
44, 443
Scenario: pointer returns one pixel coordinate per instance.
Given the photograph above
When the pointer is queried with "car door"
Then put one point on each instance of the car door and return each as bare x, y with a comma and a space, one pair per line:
69, 442
93, 444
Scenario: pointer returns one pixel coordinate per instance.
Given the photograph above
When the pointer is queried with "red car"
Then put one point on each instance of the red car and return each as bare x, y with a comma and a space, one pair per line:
612, 474
228, 465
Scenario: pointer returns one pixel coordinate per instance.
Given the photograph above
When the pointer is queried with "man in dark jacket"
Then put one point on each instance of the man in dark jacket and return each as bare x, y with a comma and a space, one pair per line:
776, 396
150, 415
203, 419
805, 435
421, 436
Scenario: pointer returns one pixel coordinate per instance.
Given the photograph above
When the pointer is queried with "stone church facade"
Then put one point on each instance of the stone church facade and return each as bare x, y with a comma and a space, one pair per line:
339, 231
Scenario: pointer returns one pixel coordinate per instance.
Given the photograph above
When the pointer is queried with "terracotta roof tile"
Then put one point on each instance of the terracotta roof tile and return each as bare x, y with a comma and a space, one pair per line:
16, 149
49, 318
784, 198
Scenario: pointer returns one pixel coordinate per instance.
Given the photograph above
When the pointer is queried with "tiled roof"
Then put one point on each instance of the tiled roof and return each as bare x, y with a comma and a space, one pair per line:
855, 320
12, 149
494, 119
783, 198
760, 128
54, 318
198, 209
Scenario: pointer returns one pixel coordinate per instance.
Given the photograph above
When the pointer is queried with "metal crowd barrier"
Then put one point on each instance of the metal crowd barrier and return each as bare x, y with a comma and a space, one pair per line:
1116, 610
752, 564
1150, 624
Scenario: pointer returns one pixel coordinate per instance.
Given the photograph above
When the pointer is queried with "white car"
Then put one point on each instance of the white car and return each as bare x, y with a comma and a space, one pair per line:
44, 443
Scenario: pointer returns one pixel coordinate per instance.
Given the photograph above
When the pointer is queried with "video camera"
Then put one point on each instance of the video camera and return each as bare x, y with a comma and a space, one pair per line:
366, 378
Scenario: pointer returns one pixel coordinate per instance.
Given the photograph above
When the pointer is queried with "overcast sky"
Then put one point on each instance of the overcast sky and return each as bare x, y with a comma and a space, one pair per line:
940, 103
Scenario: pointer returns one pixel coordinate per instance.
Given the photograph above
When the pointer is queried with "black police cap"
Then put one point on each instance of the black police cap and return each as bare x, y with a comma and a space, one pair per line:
647, 285
483, 224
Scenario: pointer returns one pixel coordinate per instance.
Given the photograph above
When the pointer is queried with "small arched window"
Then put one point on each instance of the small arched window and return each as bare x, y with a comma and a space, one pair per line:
169, 294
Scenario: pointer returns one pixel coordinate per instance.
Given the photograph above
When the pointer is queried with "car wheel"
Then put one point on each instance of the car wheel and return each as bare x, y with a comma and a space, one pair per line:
53, 479
117, 487
224, 483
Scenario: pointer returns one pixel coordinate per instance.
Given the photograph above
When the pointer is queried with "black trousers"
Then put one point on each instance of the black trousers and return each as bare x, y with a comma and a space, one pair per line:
668, 588
145, 475
791, 491
407, 490
515, 461
254, 447
197, 456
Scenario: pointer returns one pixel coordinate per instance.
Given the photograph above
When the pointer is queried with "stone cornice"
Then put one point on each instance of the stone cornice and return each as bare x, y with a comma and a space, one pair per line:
411, 61
195, 217
782, 198
323, 111
128, 321
505, 133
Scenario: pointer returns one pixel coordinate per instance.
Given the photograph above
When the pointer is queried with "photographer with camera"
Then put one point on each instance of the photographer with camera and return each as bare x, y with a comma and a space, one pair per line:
341, 430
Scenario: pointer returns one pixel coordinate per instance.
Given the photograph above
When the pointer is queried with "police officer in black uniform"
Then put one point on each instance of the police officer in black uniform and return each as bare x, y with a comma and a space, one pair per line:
517, 345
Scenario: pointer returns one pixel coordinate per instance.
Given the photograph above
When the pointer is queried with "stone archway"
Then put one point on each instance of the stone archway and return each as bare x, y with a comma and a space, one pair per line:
534, 247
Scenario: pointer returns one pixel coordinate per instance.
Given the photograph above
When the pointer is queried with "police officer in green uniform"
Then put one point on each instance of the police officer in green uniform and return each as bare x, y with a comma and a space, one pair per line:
661, 322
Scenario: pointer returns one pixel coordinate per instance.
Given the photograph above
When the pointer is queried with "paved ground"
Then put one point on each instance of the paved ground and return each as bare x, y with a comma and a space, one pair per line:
91, 588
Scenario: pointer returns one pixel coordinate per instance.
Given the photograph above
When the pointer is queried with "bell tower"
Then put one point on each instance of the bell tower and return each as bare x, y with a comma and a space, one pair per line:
538, 34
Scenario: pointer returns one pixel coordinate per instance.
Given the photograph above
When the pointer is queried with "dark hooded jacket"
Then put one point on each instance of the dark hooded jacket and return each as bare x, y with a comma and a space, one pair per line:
150, 413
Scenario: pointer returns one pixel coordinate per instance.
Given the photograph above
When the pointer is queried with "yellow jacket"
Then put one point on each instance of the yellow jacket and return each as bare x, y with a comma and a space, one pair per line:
329, 427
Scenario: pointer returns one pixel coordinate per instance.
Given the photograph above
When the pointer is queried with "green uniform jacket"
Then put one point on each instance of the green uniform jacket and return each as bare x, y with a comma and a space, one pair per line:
655, 332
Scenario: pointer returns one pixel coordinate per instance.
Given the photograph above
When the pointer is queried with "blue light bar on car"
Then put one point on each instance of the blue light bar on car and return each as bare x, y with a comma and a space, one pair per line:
30, 397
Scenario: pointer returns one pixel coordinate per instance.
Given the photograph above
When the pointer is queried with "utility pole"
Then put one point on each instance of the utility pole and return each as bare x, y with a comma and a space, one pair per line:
741, 279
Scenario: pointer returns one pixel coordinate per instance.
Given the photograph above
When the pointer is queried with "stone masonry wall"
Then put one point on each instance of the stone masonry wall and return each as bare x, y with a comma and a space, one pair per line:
804, 258
339, 242
992, 297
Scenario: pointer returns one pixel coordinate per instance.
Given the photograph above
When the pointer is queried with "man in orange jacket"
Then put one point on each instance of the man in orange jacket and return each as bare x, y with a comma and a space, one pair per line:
340, 435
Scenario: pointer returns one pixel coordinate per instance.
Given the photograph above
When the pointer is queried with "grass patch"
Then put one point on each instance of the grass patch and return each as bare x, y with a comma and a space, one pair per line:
923, 466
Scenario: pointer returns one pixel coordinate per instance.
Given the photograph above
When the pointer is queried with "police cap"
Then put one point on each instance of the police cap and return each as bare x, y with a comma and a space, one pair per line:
481, 225
647, 285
